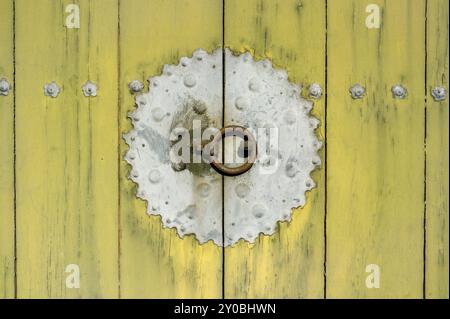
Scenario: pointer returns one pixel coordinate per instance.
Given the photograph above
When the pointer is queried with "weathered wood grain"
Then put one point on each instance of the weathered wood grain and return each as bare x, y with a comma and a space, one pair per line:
155, 262
7, 253
288, 264
437, 228
75, 204
67, 183
375, 147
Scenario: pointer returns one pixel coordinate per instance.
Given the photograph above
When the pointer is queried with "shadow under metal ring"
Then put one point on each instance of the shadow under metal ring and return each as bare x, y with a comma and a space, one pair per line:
241, 131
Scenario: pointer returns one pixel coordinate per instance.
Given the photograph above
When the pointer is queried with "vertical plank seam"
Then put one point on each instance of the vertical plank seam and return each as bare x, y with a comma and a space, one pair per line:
223, 153
425, 158
119, 230
14, 150
326, 157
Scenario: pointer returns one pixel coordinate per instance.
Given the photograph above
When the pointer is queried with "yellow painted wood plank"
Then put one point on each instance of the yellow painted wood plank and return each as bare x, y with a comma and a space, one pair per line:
437, 229
67, 165
288, 264
155, 262
7, 154
375, 161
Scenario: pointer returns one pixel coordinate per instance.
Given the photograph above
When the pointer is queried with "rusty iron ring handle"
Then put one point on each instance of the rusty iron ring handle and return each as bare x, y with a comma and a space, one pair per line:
234, 171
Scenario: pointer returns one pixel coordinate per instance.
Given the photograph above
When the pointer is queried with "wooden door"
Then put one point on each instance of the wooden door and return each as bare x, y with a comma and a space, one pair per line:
381, 201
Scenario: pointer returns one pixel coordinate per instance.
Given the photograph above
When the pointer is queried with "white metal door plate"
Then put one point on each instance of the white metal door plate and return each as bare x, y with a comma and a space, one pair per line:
190, 197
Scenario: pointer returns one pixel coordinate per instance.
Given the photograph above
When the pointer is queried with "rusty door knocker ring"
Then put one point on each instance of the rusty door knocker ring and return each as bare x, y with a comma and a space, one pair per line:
241, 131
